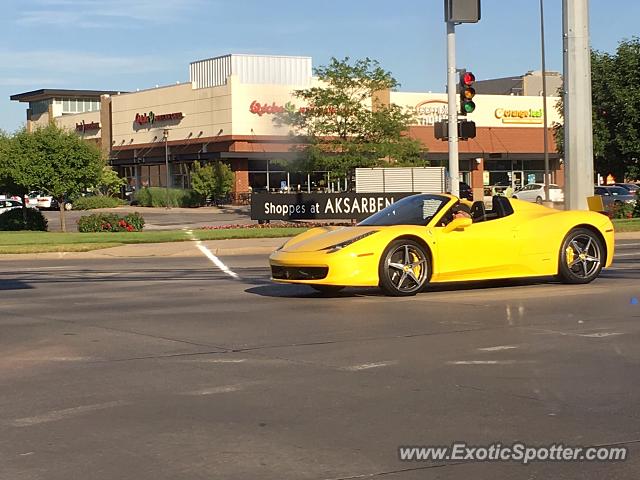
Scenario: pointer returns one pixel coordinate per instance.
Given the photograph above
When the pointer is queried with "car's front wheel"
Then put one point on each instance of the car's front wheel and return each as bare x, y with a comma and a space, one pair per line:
404, 268
539, 200
582, 256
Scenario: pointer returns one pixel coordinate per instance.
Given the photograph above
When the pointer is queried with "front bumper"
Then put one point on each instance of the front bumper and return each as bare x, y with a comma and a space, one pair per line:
342, 268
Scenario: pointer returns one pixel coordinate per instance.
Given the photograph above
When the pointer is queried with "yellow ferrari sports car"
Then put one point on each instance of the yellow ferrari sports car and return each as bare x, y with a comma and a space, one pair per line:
428, 238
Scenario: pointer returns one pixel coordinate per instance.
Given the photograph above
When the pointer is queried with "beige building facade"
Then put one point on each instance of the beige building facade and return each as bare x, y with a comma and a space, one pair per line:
226, 112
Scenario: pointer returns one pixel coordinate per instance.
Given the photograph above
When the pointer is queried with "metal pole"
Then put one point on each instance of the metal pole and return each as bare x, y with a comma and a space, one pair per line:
578, 127
453, 111
547, 173
166, 163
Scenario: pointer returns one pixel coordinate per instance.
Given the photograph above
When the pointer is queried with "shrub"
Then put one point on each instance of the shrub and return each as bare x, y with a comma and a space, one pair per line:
13, 220
110, 222
97, 201
624, 210
157, 197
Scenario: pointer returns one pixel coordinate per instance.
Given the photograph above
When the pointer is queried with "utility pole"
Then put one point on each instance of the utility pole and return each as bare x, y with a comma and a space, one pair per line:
454, 173
578, 128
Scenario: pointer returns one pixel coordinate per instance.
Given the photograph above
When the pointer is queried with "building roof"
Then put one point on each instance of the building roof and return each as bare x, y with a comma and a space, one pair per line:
47, 93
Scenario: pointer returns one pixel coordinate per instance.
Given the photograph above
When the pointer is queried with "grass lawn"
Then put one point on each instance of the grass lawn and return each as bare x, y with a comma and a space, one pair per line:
624, 225
36, 242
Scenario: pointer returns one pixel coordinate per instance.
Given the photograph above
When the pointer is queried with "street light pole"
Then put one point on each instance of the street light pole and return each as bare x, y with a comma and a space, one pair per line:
547, 173
453, 111
166, 162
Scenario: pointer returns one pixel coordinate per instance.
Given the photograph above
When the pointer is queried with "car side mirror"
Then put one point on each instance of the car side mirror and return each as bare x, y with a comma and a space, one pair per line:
458, 224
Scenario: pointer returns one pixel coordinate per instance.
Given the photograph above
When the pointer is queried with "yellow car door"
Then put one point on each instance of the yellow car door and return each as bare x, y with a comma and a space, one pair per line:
483, 250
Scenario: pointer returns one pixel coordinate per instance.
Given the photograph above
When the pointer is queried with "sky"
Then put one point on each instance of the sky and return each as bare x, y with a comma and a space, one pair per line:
123, 45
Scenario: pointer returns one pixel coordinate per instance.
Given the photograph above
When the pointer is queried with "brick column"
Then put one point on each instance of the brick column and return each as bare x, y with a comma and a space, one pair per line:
477, 179
240, 167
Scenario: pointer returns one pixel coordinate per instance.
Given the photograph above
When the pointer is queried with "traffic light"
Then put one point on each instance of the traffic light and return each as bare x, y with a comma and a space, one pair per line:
467, 92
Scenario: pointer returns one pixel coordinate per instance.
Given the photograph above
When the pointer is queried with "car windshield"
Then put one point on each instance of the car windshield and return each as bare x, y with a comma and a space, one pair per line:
413, 210
618, 191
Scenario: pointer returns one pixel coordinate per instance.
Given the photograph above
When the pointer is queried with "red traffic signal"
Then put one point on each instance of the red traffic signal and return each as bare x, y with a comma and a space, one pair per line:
467, 92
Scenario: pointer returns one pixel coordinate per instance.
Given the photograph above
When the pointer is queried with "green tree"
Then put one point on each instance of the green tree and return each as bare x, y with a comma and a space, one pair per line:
213, 180
110, 183
343, 123
616, 111
55, 161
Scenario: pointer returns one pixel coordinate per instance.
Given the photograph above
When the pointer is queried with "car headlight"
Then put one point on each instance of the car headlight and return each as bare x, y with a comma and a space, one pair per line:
341, 245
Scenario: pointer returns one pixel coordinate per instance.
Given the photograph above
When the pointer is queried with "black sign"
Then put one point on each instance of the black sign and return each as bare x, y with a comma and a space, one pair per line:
309, 206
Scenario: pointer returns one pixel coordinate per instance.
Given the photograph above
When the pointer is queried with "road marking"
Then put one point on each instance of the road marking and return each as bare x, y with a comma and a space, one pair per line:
65, 413
220, 389
498, 348
367, 366
487, 362
207, 253
587, 335
620, 245
626, 255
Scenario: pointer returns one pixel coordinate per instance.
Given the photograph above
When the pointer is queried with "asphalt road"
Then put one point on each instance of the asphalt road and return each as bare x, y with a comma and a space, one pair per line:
172, 369
160, 218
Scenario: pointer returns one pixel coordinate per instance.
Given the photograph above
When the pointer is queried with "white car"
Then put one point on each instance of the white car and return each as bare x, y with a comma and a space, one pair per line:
6, 205
43, 201
534, 192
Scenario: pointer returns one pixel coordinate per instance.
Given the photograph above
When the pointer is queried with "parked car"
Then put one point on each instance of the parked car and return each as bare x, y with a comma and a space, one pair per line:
613, 196
6, 205
534, 192
632, 187
42, 201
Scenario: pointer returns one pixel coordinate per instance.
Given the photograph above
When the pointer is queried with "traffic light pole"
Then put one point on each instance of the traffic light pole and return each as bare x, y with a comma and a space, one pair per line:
454, 173
578, 127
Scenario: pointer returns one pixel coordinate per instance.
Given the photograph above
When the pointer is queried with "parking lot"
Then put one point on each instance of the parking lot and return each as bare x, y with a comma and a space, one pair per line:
169, 368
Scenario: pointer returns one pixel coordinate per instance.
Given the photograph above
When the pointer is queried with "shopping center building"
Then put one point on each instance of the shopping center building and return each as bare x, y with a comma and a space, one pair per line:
226, 111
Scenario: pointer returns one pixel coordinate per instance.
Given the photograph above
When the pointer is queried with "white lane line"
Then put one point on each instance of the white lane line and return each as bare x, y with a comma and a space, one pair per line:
218, 360
635, 254
367, 366
219, 389
620, 245
207, 253
487, 362
216, 261
587, 335
498, 348
65, 413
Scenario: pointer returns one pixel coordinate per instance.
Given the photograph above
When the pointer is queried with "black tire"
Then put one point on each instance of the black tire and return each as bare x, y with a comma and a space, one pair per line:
404, 268
581, 256
539, 200
327, 289
514, 196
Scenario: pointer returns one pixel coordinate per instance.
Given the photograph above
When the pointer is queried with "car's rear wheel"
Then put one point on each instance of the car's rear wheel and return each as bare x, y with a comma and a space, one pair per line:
582, 256
404, 268
68, 206
539, 200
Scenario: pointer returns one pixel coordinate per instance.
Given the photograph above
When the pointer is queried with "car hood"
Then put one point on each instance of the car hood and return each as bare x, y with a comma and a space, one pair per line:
323, 237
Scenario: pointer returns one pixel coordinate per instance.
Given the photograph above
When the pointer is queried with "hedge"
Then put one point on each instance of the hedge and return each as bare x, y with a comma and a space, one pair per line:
157, 197
13, 220
97, 201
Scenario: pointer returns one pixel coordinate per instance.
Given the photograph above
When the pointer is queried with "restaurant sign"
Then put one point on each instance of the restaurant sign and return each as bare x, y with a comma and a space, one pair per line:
429, 112
310, 206
151, 118
83, 127
519, 116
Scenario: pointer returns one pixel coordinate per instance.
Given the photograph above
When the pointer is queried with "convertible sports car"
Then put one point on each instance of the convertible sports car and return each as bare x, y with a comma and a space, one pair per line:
425, 239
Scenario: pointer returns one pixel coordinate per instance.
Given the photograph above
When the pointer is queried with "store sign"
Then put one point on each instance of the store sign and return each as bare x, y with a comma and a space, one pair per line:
431, 111
261, 109
151, 118
83, 127
519, 116
310, 206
